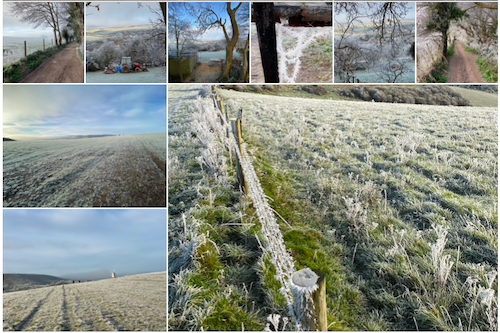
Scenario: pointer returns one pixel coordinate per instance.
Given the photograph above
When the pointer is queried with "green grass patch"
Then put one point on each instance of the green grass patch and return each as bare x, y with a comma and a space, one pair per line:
439, 73
487, 67
14, 72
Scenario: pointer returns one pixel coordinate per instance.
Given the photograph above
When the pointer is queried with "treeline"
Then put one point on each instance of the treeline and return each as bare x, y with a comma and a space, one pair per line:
429, 95
146, 48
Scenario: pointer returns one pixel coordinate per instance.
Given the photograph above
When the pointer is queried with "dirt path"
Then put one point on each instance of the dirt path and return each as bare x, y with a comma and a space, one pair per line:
463, 68
62, 67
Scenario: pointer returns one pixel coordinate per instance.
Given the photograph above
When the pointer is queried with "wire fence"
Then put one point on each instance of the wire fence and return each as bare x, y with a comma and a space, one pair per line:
299, 299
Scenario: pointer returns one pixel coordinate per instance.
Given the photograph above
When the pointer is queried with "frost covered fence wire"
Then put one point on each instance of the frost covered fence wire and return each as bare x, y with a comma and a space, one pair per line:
289, 56
298, 297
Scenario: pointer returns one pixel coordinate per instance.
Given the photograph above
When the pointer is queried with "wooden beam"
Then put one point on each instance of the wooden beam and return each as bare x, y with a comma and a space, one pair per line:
302, 16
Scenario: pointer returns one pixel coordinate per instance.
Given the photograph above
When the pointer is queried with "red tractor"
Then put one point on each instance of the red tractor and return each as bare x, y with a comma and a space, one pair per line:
127, 66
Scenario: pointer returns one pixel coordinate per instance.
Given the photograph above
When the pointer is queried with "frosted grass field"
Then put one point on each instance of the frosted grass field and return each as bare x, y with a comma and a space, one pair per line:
153, 75
133, 303
110, 171
404, 195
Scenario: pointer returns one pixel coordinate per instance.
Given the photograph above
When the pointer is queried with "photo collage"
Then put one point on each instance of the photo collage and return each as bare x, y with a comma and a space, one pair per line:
250, 166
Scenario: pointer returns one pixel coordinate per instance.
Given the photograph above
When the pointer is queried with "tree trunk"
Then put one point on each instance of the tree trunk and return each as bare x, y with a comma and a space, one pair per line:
163, 6
55, 36
230, 43
444, 36
264, 20
229, 62
244, 74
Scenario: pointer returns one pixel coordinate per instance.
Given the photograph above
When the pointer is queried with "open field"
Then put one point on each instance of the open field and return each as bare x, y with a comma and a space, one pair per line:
395, 204
134, 303
409, 194
110, 171
478, 98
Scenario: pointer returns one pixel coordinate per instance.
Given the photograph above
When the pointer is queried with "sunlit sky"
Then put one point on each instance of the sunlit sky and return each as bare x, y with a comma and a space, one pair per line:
13, 27
119, 14
219, 8
57, 110
59, 242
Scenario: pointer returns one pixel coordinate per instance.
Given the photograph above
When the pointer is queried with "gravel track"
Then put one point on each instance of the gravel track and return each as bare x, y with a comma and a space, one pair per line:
124, 304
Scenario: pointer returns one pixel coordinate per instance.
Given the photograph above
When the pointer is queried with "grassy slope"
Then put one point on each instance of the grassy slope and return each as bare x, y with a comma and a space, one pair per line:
381, 198
129, 303
478, 98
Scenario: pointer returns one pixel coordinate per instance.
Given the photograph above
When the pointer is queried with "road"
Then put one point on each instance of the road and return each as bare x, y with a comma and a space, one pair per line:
62, 67
463, 67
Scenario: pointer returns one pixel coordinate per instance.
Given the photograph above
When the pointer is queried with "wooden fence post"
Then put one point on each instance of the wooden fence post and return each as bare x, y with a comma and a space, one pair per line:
309, 298
264, 21
25, 49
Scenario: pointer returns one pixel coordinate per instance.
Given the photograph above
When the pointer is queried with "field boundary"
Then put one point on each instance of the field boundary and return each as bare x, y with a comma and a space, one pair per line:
300, 296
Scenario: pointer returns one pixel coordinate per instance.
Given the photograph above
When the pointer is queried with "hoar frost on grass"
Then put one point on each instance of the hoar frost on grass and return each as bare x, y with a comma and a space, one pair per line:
291, 43
215, 256
111, 171
133, 303
408, 191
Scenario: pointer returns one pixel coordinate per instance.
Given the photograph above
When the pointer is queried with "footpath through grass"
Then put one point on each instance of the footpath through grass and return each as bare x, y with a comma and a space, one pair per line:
14, 72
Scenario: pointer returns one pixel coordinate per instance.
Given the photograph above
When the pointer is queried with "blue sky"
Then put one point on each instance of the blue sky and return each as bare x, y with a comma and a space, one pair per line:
67, 241
219, 8
31, 111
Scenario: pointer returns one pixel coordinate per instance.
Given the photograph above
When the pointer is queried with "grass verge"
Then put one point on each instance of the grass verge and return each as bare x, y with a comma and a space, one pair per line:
14, 72
487, 66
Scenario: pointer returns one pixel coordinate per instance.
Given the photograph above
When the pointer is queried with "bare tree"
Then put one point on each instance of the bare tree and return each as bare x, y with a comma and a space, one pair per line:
40, 14
352, 55
181, 30
209, 18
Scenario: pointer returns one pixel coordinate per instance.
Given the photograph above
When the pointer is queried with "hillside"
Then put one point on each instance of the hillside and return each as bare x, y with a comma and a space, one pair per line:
16, 282
134, 303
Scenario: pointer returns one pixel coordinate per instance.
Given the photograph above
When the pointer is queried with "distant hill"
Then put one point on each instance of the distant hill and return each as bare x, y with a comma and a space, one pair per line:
16, 282
8, 139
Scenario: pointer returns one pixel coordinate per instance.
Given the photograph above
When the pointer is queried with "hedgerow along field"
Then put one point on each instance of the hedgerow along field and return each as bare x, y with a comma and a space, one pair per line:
395, 204
133, 303
109, 171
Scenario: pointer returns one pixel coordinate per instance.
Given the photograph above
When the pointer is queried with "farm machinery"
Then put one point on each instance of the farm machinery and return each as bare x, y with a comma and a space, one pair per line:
128, 66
